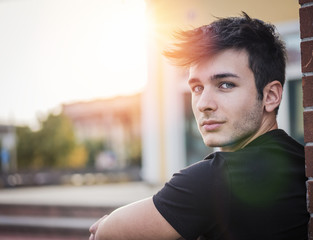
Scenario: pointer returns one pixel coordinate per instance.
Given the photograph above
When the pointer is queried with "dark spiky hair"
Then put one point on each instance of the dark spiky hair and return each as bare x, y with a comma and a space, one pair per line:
266, 52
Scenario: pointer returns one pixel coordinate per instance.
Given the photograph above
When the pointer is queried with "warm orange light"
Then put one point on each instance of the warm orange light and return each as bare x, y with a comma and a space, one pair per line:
55, 52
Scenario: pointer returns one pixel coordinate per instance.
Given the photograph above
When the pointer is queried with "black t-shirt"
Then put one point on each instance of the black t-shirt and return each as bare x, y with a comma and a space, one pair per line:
256, 193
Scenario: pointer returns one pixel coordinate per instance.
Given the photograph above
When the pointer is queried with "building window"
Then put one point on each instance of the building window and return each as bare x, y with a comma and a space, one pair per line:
290, 33
296, 110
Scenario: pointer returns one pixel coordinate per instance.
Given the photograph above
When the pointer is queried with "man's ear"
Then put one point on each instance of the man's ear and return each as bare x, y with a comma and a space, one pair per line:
272, 95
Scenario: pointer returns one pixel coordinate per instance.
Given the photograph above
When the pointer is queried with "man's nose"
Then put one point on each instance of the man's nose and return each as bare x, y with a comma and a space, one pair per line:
207, 101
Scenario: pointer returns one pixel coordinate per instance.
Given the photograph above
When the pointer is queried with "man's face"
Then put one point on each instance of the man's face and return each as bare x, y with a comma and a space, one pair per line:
225, 100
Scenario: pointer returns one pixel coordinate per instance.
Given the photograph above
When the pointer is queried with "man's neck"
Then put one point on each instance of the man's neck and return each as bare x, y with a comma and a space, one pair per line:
262, 130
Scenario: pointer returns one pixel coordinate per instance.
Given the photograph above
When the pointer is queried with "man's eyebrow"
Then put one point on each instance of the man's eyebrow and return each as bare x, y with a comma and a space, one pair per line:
223, 75
214, 77
193, 80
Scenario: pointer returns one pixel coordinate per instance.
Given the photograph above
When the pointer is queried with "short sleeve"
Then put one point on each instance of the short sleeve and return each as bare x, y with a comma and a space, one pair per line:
191, 199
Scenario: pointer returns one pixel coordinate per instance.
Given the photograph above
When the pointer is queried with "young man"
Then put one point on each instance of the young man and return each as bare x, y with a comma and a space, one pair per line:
254, 187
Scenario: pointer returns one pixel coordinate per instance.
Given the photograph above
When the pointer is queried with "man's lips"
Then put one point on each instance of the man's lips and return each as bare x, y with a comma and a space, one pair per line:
211, 125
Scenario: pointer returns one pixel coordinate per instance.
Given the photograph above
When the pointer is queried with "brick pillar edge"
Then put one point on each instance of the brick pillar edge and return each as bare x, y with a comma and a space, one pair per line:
306, 34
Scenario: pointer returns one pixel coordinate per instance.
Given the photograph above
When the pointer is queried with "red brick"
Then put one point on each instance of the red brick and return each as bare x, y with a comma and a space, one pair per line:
309, 161
309, 185
308, 126
307, 86
307, 56
304, 1
310, 232
306, 20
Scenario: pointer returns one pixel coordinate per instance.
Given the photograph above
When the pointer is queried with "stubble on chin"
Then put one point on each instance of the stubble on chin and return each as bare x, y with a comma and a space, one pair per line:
234, 134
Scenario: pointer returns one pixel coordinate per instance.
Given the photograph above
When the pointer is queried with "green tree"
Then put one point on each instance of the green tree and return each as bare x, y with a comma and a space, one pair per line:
53, 146
56, 140
134, 152
25, 147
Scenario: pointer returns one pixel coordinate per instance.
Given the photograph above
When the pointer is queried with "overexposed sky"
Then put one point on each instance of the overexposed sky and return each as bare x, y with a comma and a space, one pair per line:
60, 51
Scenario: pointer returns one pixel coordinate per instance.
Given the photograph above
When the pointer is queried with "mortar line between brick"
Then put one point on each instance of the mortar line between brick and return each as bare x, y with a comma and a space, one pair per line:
307, 39
308, 74
308, 109
306, 4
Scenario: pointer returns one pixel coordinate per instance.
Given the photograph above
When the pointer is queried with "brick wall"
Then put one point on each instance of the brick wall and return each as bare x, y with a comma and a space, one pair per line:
306, 34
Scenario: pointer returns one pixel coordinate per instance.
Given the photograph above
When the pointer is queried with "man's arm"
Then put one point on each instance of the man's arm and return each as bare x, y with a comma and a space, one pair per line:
139, 220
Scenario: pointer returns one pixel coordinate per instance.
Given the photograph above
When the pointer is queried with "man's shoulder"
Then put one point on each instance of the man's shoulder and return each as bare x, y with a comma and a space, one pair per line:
277, 138
270, 149
214, 162
204, 174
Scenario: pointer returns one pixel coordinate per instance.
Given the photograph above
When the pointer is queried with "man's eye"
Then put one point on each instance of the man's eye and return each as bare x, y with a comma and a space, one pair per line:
227, 85
197, 89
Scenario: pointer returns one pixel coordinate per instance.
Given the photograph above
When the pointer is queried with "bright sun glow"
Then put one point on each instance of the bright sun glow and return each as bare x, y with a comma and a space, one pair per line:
61, 51
124, 48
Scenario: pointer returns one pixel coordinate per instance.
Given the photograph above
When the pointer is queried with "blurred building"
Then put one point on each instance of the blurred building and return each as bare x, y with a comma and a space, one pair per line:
170, 136
114, 121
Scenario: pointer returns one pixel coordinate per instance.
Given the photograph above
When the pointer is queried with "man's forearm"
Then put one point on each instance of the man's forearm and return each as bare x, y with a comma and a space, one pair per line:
140, 220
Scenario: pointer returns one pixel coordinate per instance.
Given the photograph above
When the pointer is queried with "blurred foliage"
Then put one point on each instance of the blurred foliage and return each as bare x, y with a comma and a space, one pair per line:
53, 146
26, 147
134, 152
78, 157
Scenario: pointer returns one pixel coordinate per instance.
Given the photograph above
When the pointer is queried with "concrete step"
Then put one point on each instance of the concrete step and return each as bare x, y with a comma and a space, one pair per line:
62, 212
48, 222
54, 210
45, 227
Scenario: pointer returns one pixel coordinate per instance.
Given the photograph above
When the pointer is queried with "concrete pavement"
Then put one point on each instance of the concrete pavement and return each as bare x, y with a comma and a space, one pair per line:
107, 195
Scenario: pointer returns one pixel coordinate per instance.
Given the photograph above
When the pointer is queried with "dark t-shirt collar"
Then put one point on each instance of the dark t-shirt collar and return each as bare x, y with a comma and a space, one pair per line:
270, 135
